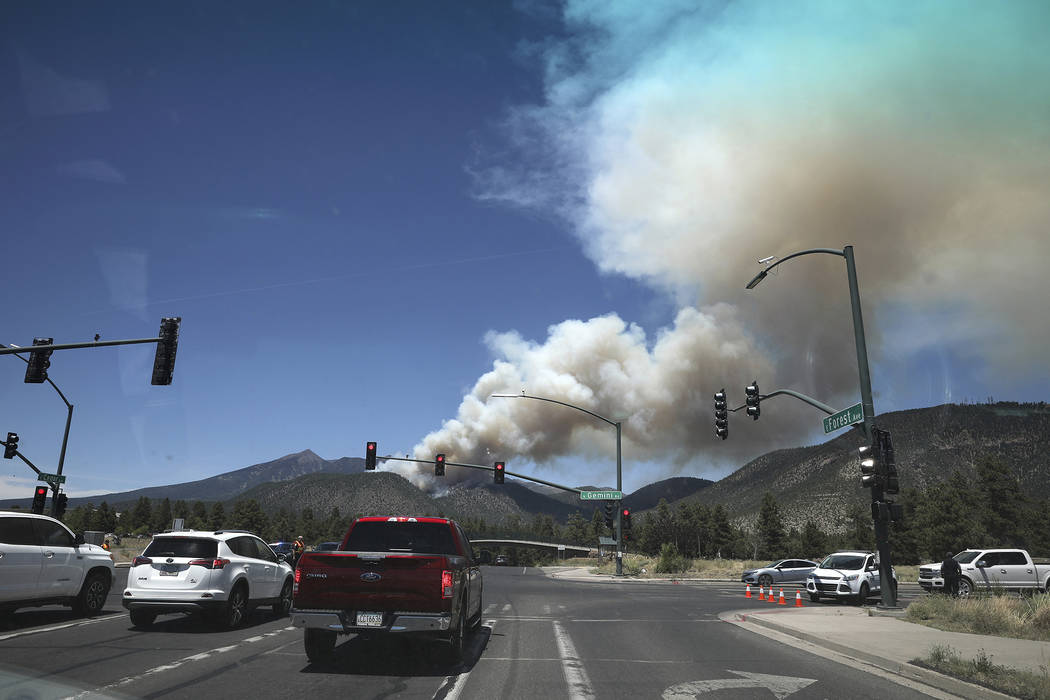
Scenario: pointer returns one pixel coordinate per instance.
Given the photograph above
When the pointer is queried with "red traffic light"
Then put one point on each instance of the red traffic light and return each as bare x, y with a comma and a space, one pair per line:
370, 455
626, 512
441, 458
41, 491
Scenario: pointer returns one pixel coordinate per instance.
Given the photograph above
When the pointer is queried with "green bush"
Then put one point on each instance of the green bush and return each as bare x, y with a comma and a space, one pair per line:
671, 562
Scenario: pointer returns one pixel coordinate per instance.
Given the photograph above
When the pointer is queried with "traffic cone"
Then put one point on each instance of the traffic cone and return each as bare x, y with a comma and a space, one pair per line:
798, 599
748, 594
772, 595
781, 601
761, 593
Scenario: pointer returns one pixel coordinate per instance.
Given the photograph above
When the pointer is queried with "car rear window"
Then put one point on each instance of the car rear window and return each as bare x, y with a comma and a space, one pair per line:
417, 538
190, 547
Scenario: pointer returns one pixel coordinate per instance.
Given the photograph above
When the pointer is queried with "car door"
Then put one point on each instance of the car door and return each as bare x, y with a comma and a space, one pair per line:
62, 571
267, 581
872, 571
474, 581
1016, 570
21, 559
794, 570
988, 576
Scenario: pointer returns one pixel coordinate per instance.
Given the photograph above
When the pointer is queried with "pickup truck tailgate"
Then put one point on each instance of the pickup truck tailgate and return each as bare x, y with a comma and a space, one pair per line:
373, 581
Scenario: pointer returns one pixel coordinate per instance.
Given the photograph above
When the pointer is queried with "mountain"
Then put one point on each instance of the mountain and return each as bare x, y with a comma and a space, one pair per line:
673, 489
822, 481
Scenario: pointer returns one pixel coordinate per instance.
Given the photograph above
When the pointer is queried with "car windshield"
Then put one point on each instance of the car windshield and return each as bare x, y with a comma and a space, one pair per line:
966, 557
843, 561
186, 547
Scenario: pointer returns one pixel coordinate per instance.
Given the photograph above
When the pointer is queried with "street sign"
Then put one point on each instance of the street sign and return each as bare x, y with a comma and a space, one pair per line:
601, 495
51, 478
847, 416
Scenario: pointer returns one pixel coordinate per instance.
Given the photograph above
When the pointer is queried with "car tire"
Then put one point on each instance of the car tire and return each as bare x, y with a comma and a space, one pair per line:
235, 612
319, 644
862, 597
765, 580
92, 596
965, 587
142, 618
814, 598
456, 641
284, 604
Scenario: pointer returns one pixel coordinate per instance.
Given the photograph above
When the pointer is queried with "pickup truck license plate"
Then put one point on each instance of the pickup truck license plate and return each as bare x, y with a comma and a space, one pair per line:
368, 619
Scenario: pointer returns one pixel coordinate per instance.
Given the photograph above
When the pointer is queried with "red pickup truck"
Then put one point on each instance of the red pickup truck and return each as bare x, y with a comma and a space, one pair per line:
397, 575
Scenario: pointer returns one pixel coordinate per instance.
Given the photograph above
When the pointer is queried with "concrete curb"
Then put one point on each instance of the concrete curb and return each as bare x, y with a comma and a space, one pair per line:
940, 681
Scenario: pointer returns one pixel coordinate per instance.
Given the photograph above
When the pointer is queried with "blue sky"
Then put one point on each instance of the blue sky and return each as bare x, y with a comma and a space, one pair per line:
372, 215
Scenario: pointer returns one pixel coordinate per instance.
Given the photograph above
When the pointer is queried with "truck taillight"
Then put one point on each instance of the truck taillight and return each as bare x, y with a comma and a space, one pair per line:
298, 574
141, 560
210, 563
446, 584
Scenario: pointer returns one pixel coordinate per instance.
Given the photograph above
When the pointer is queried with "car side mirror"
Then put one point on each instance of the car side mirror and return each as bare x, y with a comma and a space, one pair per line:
982, 564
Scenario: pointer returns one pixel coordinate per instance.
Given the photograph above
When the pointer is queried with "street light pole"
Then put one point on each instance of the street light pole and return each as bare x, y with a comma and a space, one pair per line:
882, 537
619, 466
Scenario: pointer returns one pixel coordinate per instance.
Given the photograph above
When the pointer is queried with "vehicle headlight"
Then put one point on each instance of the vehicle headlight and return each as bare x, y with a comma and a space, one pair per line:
851, 577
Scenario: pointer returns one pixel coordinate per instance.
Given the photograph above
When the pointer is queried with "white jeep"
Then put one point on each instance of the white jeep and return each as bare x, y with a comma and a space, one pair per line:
846, 576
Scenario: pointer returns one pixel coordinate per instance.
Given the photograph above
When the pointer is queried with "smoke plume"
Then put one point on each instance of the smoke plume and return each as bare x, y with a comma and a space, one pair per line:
682, 142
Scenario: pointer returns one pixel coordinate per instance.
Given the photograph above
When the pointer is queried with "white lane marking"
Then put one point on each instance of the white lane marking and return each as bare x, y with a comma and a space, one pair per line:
547, 609
52, 628
165, 667
575, 675
523, 569
453, 685
255, 639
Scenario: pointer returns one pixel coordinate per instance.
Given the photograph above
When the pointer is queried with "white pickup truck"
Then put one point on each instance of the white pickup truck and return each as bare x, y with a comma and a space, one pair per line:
43, 563
985, 569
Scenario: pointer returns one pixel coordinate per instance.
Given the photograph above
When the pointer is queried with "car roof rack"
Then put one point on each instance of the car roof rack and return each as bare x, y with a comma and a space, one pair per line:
221, 532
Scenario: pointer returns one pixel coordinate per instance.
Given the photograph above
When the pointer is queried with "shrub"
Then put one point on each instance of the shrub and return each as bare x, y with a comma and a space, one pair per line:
671, 562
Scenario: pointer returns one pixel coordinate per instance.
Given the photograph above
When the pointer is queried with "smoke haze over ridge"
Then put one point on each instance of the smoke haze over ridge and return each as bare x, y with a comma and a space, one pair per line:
681, 142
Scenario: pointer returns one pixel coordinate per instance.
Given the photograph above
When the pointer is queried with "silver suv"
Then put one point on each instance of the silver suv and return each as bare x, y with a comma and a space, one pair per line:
222, 574
42, 563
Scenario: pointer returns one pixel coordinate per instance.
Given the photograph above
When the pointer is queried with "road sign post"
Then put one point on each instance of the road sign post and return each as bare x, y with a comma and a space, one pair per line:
847, 416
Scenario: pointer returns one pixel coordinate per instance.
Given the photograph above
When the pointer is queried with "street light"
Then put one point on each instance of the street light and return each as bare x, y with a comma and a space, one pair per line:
619, 468
889, 596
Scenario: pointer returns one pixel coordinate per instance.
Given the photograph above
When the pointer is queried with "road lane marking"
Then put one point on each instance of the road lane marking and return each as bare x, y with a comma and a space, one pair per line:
452, 686
52, 628
572, 667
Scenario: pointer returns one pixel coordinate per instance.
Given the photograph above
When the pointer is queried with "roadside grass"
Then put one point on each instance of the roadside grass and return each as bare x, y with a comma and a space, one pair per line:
646, 567
983, 671
1021, 617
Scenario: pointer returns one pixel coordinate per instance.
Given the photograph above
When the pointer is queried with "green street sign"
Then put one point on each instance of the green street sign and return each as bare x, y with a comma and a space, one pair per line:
51, 478
847, 416
601, 495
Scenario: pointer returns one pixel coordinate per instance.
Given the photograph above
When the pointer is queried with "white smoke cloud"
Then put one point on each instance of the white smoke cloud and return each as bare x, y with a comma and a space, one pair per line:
683, 141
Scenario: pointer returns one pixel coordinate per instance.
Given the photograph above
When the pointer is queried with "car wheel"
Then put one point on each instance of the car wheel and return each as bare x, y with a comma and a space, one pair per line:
319, 644
765, 580
814, 598
282, 606
142, 618
864, 593
965, 588
456, 639
92, 596
235, 611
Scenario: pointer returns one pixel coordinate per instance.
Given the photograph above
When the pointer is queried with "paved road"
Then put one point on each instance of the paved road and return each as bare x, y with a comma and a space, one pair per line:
540, 637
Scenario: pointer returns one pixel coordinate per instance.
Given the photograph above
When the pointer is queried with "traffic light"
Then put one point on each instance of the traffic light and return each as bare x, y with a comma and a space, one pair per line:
60, 504
439, 465
164, 360
753, 409
498, 472
39, 496
11, 446
370, 456
721, 415
891, 484
625, 524
869, 464
39, 361
609, 510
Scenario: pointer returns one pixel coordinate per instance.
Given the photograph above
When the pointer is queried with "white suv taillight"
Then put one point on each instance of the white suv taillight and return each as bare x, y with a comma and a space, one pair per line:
141, 560
210, 563
446, 584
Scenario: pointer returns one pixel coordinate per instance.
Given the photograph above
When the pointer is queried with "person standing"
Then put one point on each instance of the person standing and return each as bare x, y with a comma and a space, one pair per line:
951, 572
297, 549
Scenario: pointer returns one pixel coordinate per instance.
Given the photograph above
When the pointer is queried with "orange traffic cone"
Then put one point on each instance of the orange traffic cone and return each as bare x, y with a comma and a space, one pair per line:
781, 601
772, 596
761, 593
798, 599
748, 594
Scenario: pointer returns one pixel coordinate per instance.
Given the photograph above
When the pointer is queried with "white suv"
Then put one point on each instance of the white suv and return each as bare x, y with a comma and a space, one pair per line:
42, 563
846, 575
223, 574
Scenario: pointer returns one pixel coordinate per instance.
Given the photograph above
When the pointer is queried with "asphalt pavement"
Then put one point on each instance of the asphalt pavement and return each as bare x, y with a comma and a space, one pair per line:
879, 637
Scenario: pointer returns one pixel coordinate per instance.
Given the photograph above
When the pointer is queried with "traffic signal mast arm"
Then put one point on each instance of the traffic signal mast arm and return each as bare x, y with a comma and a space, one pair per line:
801, 397
73, 346
24, 459
488, 469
